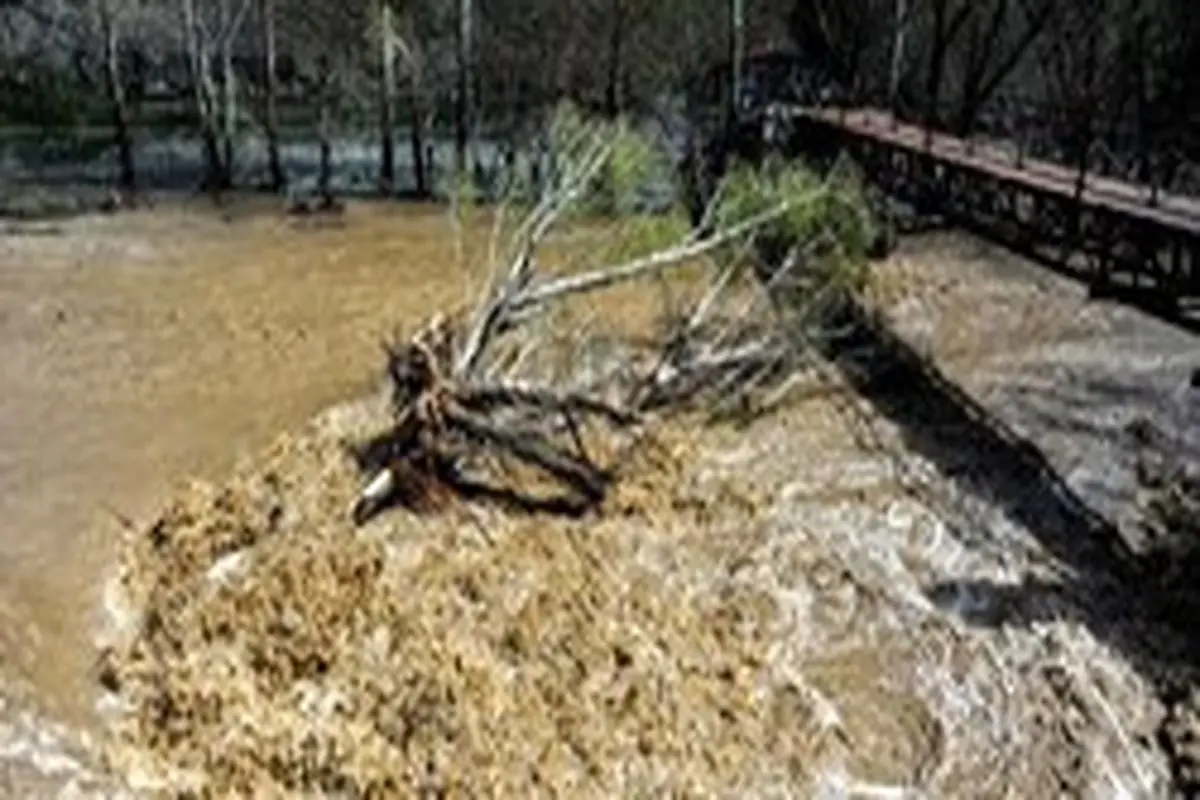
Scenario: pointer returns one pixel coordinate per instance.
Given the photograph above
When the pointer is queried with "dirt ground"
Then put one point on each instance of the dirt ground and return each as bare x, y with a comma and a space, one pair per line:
820, 604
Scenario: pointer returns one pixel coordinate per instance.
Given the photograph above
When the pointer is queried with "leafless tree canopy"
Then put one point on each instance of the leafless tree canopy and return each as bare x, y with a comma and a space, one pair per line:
230, 68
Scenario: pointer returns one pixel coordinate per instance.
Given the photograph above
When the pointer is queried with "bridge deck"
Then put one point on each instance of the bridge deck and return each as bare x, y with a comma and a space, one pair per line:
992, 158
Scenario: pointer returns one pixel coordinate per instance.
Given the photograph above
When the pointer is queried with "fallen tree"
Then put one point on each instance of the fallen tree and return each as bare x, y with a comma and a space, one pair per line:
776, 250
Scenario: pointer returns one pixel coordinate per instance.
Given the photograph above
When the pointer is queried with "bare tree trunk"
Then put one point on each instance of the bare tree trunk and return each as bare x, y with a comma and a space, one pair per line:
899, 43
200, 75
228, 128
737, 54
945, 29
1085, 120
416, 139
387, 99
416, 103
986, 51
612, 95
270, 82
462, 110
229, 117
115, 88
325, 169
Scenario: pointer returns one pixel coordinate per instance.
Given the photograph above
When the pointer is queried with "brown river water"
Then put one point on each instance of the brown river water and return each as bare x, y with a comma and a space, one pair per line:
144, 349
140, 350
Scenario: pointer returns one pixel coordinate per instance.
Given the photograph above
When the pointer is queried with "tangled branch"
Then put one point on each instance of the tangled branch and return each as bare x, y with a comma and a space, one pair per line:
457, 410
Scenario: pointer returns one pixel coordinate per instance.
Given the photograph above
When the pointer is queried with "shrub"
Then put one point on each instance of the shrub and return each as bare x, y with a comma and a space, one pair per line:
828, 219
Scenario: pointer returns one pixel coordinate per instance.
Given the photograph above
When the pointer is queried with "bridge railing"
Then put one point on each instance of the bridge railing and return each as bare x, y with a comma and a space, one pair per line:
1021, 133
1028, 127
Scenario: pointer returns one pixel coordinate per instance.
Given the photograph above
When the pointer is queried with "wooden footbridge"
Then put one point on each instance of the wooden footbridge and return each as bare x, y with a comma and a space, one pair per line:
1123, 239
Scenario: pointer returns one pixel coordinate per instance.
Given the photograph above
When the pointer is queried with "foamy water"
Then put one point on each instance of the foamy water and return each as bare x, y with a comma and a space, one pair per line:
136, 351
80, 435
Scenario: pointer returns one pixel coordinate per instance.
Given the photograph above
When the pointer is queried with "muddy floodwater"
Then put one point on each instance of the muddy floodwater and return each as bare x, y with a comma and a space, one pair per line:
136, 352
145, 349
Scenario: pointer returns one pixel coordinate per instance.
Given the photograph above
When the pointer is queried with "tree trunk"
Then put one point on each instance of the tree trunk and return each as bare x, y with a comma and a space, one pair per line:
228, 96
945, 30
1085, 117
229, 117
270, 82
899, 42
214, 173
115, 88
416, 139
737, 55
325, 169
933, 81
612, 97
200, 76
462, 110
612, 94
387, 99
978, 85
416, 107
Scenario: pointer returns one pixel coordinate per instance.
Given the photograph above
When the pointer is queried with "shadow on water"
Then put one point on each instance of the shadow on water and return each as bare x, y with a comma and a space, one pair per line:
1114, 591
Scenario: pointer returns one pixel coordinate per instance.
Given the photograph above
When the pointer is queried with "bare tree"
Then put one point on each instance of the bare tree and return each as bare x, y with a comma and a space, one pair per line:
210, 29
387, 98
1169, 90
31, 33
994, 42
110, 16
336, 68
38, 42
899, 51
464, 48
270, 93
1079, 75
617, 10
845, 37
418, 115
948, 19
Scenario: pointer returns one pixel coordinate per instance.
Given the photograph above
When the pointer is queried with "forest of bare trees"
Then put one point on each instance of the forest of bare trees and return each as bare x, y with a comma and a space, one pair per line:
1119, 72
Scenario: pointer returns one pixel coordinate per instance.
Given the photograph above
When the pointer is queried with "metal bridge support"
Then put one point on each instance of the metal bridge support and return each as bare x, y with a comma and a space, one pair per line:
1114, 250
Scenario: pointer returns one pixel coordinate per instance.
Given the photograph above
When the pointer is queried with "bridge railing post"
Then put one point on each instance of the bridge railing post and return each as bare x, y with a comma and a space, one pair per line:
1081, 175
928, 119
1148, 169
845, 101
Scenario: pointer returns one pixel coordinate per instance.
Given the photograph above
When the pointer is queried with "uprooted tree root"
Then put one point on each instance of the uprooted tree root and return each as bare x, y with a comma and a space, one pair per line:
443, 427
493, 440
